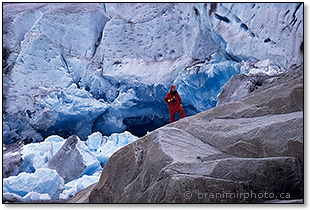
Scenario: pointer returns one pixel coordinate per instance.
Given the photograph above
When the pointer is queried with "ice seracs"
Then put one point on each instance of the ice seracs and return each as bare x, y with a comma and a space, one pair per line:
133, 53
36, 155
42, 181
75, 186
103, 147
101, 68
71, 164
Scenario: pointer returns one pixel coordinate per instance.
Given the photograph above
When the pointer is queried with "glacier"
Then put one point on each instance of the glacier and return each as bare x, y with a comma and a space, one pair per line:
63, 75
101, 71
34, 196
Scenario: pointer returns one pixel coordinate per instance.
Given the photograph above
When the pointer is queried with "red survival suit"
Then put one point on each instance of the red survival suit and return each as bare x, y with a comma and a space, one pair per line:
175, 104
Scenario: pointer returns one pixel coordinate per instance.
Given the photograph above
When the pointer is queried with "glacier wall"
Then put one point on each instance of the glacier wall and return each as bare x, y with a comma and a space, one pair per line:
71, 68
256, 32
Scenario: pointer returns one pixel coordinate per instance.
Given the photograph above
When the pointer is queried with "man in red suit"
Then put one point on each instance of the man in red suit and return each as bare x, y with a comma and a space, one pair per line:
174, 103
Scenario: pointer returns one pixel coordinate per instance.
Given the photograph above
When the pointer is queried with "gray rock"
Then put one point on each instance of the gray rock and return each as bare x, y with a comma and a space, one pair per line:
11, 198
143, 160
266, 136
66, 159
266, 123
285, 201
69, 161
284, 95
172, 166
260, 90
12, 159
82, 196
246, 151
241, 85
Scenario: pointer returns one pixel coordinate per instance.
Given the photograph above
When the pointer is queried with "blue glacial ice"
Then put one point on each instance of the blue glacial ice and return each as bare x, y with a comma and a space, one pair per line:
36, 155
112, 75
42, 181
103, 147
103, 68
200, 83
76, 185
34, 196
35, 182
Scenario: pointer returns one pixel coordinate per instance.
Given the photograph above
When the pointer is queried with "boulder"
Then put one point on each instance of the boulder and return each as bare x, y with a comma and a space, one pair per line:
245, 151
241, 85
73, 159
82, 196
172, 166
143, 160
257, 137
283, 95
266, 123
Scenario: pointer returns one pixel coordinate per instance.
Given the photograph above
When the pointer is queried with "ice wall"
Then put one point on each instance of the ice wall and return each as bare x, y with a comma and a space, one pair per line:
259, 31
80, 68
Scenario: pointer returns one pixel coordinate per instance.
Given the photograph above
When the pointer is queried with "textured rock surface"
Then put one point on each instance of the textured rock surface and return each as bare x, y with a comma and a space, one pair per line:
272, 113
266, 136
285, 201
168, 164
12, 159
83, 196
283, 95
70, 162
241, 85
239, 150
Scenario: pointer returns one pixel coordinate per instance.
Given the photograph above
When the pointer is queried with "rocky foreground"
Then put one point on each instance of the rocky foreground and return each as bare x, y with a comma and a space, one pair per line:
247, 150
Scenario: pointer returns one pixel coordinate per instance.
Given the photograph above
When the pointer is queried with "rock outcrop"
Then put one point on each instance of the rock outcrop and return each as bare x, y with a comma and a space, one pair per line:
241, 85
70, 162
246, 151
82, 196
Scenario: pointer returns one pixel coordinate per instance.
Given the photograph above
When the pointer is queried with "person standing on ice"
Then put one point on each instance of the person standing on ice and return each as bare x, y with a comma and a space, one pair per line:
174, 103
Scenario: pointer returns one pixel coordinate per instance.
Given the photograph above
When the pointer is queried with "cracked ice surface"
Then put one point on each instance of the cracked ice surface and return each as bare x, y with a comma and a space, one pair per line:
97, 69
82, 68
